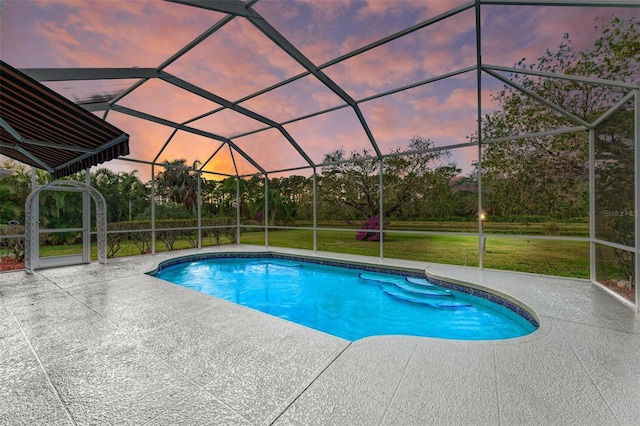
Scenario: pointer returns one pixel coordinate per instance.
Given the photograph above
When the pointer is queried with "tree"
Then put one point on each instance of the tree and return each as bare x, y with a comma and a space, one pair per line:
124, 192
13, 192
278, 205
15, 188
353, 183
178, 183
548, 175
615, 190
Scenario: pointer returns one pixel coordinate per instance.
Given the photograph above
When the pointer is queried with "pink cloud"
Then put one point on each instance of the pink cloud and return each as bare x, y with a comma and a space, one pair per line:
99, 34
327, 10
301, 97
271, 150
328, 132
532, 30
235, 61
239, 60
162, 99
227, 123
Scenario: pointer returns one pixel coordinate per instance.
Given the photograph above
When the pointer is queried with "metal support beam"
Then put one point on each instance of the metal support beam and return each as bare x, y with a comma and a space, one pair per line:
582, 3
613, 109
59, 146
74, 74
592, 206
204, 164
199, 207
284, 44
479, 130
86, 219
266, 211
162, 148
381, 207
153, 209
27, 154
637, 196
177, 55
560, 76
539, 98
241, 110
232, 7
195, 131
315, 210
237, 210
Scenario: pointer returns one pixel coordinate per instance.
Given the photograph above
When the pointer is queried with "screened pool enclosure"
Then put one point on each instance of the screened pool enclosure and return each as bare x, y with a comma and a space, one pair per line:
432, 131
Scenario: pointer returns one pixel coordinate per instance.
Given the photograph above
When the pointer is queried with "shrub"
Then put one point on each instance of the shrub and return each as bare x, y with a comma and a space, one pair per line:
13, 244
371, 223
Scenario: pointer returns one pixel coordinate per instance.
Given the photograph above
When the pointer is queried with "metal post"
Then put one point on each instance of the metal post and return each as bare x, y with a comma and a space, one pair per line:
637, 199
199, 208
592, 205
479, 84
34, 179
266, 210
315, 210
381, 209
237, 209
86, 219
153, 209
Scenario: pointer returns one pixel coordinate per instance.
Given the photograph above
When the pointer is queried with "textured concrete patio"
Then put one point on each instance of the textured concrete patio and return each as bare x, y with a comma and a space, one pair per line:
106, 344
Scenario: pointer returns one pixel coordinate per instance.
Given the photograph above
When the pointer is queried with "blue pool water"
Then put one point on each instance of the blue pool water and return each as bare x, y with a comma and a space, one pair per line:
346, 302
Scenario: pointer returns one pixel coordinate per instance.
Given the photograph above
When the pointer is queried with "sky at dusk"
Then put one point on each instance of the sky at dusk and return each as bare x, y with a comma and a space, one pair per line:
238, 60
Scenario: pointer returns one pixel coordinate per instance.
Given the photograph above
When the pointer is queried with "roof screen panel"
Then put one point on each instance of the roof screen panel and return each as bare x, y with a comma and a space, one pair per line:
563, 94
227, 123
222, 163
271, 150
227, 161
83, 91
329, 132
324, 30
432, 51
161, 99
235, 61
194, 149
142, 171
147, 138
304, 96
142, 33
444, 112
532, 29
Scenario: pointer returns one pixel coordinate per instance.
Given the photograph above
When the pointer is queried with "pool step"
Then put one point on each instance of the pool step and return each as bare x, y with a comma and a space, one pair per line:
381, 278
416, 289
419, 282
425, 300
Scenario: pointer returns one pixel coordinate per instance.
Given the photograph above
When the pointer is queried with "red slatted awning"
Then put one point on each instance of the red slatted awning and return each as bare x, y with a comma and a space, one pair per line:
41, 128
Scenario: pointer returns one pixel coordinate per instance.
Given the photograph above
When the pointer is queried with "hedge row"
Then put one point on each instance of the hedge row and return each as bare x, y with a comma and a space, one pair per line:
168, 231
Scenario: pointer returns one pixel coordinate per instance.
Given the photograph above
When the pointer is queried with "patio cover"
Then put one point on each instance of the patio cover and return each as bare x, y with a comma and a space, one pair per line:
43, 129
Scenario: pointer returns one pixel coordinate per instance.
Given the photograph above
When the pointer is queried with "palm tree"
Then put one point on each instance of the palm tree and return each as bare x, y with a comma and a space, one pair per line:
278, 205
178, 183
130, 185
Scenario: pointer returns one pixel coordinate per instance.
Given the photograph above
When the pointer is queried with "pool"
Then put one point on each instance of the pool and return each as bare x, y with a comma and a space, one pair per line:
351, 302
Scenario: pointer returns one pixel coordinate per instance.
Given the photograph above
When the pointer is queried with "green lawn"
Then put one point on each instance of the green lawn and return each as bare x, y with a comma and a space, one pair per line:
562, 258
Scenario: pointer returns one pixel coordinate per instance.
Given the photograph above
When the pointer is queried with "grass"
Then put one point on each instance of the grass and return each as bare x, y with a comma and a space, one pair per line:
548, 228
549, 257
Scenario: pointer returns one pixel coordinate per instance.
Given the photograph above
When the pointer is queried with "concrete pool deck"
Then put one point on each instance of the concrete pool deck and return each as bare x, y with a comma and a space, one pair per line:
107, 344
